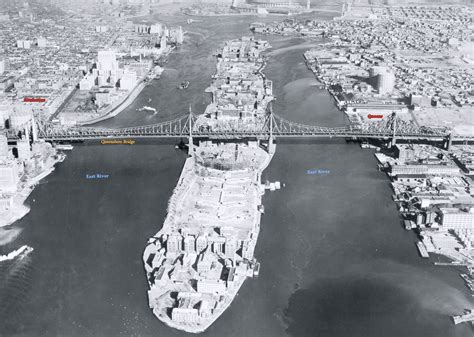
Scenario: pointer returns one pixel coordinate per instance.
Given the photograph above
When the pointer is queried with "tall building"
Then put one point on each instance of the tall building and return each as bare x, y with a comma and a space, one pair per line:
24, 44
128, 80
189, 244
107, 60
230, 248
163, 42
3, 147
24, 149
21, 117
173, 245
42, 42
9, 177
201, 243
3, 66
454, 218
156, 29
87, 83
218, 245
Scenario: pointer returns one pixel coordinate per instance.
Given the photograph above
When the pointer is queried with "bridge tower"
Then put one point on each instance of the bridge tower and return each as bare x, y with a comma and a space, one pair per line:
271, 144
190, 136
34, 130
449, 141
394, 130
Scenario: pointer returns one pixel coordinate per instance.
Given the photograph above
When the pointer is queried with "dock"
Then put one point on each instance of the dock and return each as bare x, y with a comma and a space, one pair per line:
467, 317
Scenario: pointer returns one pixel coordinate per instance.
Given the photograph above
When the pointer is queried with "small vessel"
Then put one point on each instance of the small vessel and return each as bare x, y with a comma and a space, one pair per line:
148, 108
64, 147
181, 145
422, 249
21, 252
183, 85
256, 269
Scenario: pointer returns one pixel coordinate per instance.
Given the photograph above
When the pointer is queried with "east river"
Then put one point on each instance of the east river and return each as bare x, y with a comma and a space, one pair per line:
335, 259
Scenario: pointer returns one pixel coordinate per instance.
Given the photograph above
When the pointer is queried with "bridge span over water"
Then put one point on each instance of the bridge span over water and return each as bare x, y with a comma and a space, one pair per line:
273, 126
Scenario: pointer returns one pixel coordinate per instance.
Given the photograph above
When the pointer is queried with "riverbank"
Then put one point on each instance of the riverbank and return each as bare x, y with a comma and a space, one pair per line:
125, 102
18, 209
433, 201
119, 107
332, 264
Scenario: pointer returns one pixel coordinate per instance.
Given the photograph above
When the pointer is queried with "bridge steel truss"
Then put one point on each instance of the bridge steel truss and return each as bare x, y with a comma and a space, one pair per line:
273, 127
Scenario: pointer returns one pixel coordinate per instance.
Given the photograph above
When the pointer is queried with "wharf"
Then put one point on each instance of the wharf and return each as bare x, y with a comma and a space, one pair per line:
467, 317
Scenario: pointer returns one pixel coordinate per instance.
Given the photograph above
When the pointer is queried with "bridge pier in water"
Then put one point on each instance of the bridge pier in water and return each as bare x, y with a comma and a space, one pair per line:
271, 146
449, 142
190, 137
271, 143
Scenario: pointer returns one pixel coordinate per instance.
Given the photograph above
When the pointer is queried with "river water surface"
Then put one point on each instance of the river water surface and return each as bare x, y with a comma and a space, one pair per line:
335, 260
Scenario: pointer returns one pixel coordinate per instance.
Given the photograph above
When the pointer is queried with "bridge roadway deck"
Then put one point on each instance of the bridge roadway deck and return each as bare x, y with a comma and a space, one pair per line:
247, 135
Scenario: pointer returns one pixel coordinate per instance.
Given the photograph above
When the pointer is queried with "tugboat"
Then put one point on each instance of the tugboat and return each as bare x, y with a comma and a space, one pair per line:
181, 145
183, 85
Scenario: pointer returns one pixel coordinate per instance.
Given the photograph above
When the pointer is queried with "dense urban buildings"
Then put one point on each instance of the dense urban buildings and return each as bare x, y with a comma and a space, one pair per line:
85, 75
408, 64
53, 69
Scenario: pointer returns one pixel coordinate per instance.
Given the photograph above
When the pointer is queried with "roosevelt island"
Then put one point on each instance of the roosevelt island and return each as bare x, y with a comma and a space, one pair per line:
199, 259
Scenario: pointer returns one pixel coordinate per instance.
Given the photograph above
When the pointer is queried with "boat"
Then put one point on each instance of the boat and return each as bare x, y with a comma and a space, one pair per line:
183, 85
21, 252
422, 249
181, 145
256, 269
148, 108
64, 147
